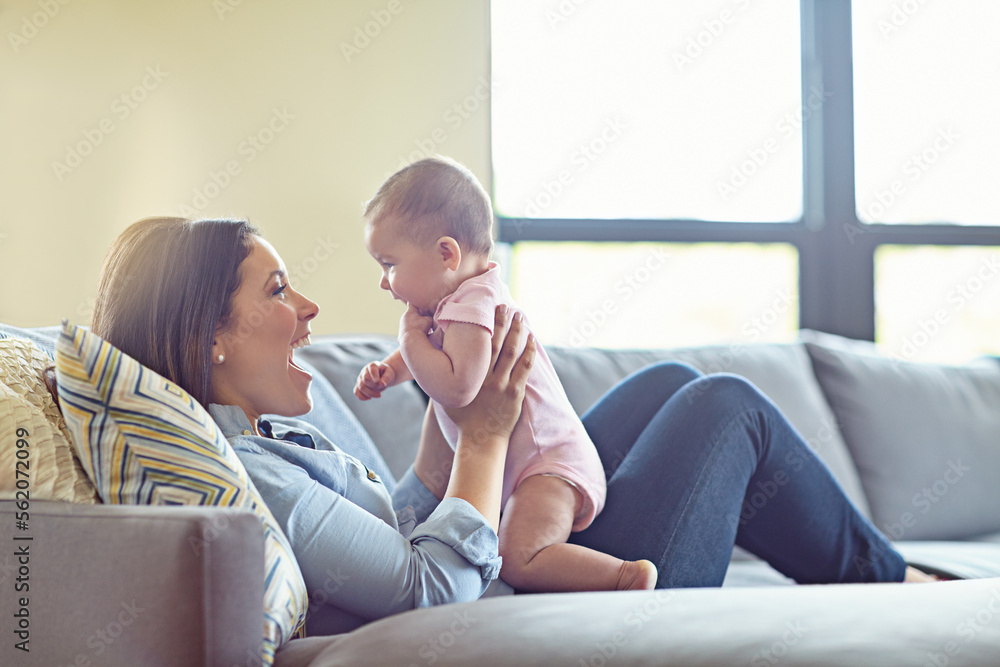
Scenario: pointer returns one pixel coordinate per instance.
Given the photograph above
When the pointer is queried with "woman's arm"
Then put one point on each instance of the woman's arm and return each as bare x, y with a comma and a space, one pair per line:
358, 561
435, 457
362, 564
485, 424
484, 429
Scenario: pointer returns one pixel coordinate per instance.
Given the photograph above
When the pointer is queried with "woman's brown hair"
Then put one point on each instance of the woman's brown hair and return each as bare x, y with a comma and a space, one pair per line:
166, 289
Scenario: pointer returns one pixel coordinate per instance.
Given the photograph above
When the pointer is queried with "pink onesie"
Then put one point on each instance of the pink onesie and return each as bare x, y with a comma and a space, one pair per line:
549, 439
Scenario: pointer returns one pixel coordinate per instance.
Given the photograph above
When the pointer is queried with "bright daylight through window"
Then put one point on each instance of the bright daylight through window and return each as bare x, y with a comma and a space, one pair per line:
730, 139
647, 110
650, 110
926, 135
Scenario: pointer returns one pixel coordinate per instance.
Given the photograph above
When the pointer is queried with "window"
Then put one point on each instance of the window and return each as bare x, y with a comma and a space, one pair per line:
647, 109
937, 303
657, 294
926, 134
815, 144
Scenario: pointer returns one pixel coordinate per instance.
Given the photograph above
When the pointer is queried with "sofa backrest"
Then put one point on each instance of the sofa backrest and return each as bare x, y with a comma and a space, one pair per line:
881, 426
925, 437
916, 446
782, 371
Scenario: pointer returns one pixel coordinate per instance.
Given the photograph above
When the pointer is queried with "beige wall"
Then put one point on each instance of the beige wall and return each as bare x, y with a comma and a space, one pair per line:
199, 78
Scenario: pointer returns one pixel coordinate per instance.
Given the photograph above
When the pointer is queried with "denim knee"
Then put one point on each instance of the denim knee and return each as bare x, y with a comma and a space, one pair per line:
668, 372
720, 392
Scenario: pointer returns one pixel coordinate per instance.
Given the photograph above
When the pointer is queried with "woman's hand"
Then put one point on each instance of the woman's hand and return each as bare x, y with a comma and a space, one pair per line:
486, 423
496, 408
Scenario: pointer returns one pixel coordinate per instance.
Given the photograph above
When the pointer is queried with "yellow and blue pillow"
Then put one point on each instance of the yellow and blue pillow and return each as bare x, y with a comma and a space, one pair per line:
144, 440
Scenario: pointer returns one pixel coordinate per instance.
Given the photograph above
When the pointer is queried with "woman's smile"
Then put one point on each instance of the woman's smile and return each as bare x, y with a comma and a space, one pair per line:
259, 373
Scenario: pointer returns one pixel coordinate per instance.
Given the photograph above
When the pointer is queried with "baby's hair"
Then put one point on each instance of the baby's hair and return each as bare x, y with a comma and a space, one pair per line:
436, 197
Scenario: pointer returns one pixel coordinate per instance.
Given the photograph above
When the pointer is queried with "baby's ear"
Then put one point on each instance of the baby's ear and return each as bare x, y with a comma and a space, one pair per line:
450, 252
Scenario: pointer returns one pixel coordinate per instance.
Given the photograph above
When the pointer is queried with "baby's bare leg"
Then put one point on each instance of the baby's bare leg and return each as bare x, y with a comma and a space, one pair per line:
533, 530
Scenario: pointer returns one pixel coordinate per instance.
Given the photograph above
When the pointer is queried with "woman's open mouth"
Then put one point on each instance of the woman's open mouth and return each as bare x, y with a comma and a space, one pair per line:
298, 344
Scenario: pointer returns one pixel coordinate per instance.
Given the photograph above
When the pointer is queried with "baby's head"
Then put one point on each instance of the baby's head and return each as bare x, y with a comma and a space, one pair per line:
431, 198
430, 226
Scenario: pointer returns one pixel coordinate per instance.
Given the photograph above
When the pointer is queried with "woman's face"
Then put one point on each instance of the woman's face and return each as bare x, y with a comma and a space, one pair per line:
270, 320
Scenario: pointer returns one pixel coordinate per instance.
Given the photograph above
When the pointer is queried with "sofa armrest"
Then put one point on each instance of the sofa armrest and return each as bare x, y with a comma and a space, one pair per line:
131, 585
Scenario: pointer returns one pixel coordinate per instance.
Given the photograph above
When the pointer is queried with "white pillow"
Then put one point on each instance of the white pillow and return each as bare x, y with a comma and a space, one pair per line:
36, 456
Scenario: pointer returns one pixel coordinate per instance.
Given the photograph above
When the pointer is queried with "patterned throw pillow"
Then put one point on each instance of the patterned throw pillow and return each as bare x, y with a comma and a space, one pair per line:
48, 468
144, 440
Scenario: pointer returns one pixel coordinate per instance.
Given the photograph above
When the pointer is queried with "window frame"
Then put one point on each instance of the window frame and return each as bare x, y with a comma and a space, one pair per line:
836, 250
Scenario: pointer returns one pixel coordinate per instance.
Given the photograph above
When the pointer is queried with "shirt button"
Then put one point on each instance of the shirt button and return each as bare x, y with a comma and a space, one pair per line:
247, 431
372, 476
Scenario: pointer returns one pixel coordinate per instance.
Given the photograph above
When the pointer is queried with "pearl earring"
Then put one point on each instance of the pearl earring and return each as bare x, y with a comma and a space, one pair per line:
220, 358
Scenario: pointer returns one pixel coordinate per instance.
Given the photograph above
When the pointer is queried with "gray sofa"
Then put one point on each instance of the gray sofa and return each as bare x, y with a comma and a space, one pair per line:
916, 447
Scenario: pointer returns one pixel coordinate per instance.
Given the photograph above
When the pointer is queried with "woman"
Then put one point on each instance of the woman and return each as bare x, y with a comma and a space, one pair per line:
208, 305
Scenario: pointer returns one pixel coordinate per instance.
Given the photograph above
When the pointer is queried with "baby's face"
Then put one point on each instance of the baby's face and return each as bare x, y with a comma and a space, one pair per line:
411, 273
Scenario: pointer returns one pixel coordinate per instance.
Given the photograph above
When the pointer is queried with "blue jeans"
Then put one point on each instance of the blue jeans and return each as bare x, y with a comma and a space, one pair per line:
696, 463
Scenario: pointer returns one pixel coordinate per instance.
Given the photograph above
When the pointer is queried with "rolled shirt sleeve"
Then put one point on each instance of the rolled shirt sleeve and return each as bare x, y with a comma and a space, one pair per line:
354, 559
411, 497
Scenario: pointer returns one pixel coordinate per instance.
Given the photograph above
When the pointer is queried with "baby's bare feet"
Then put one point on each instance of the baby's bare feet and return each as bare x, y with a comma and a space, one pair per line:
637, 575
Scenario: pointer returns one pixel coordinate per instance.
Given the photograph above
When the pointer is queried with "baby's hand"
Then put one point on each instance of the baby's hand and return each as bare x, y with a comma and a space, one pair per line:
413, 322
372, 379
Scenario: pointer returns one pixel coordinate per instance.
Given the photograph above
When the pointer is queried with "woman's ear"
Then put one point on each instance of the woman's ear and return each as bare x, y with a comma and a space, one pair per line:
218, 350
450, 252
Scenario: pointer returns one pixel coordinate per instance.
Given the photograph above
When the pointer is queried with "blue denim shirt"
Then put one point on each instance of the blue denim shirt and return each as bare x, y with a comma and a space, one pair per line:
363, 554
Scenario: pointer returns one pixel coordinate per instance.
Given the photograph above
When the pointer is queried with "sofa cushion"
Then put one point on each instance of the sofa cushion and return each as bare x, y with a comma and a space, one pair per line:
954, 560
43, 337
948, 623
144, 440
394, 420
36, 456
925, 437
781, 371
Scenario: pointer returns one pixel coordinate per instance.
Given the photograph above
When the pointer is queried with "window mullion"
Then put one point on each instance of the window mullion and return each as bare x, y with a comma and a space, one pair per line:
836, 261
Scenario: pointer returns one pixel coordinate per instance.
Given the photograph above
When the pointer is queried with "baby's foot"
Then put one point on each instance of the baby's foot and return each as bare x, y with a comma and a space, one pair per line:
915, 576
637, 575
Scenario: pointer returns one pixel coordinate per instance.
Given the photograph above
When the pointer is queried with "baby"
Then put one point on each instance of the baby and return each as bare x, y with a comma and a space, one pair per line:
429, 227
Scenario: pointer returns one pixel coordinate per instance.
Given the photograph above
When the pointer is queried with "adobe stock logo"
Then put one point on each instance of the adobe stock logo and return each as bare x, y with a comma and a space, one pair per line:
454, 116
625, 288
899, 16
249, 150
786, 129
586, 154
711, 30
912, 170
121, 108
30, 25
363, 35
958, 297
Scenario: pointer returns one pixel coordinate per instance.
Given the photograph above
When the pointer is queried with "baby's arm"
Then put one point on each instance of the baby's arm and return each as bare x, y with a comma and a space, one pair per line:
452, 375
380, 375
